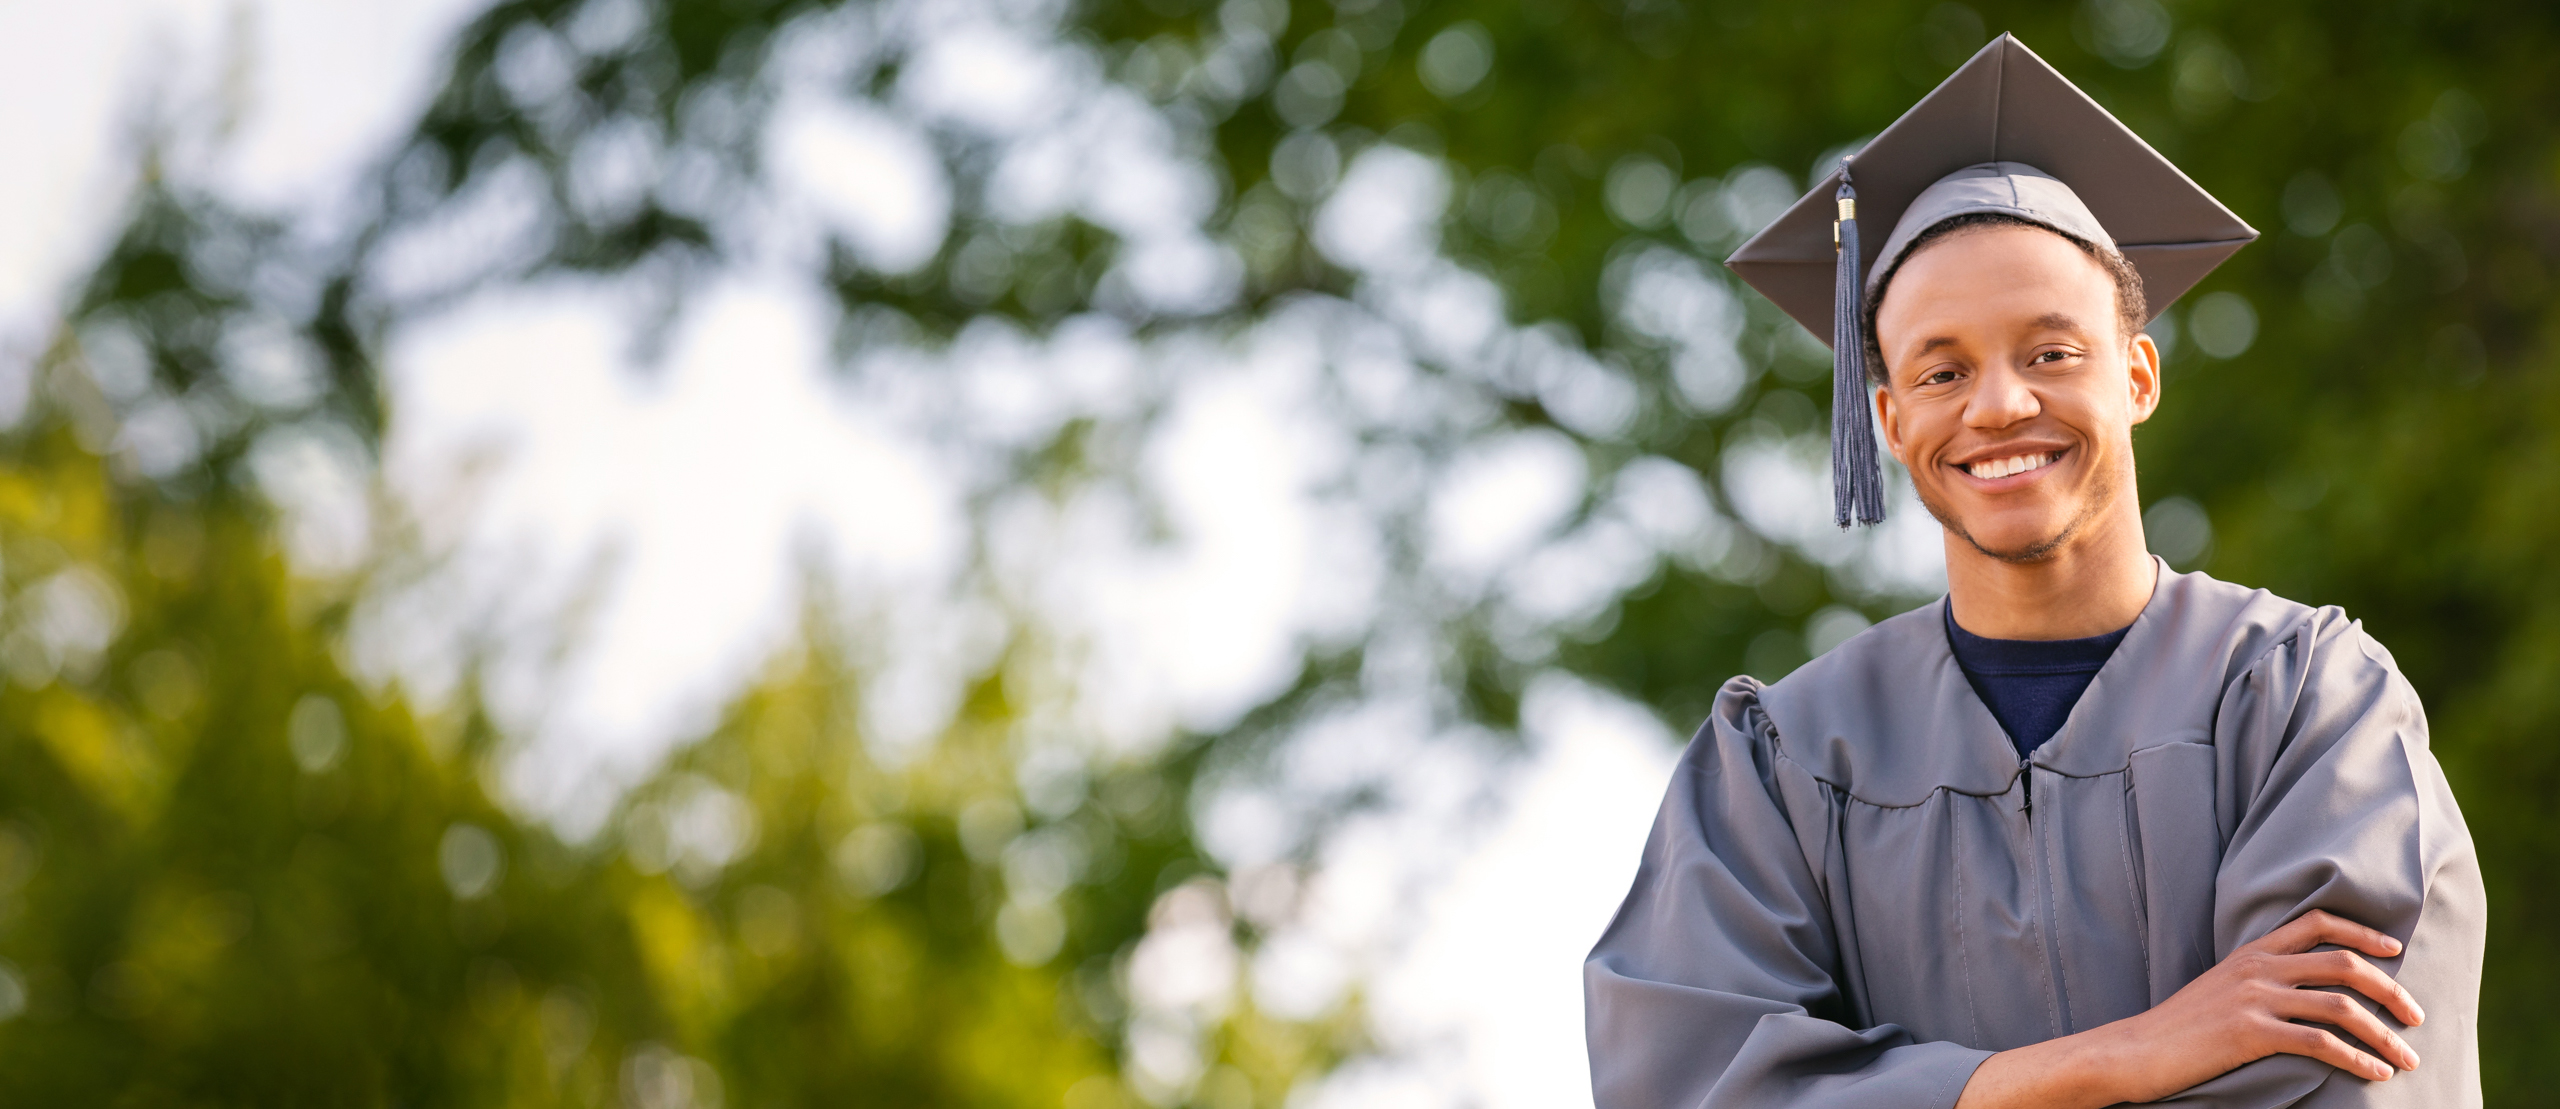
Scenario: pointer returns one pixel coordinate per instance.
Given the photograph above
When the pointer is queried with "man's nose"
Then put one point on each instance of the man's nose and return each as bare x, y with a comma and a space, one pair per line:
2001, 398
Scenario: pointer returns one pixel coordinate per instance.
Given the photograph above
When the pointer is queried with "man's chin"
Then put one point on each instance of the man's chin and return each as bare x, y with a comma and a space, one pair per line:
2012, 540
2013, 548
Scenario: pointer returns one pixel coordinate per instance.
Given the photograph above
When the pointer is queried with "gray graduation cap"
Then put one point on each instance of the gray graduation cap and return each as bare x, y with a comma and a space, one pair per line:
2003, 133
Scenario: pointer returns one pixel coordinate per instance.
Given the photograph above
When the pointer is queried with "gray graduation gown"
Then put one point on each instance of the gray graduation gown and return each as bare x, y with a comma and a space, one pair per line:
1855, 891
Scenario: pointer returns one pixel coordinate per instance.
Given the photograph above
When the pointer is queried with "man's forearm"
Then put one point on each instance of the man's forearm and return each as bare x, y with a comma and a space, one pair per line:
2088, 1070
2264, 999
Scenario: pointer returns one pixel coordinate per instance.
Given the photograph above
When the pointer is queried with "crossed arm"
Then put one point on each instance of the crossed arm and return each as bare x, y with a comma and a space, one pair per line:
2243, 1010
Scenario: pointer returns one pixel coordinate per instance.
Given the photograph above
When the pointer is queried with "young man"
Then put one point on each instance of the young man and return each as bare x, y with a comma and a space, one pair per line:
2088, 830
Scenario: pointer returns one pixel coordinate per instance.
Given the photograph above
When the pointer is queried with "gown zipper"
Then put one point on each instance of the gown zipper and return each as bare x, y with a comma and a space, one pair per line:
2044, 911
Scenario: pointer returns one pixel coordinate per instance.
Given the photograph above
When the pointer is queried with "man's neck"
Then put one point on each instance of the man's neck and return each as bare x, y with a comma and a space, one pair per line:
2096, 583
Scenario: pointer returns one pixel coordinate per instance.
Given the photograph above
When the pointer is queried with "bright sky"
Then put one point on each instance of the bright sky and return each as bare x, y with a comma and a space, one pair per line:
526, 446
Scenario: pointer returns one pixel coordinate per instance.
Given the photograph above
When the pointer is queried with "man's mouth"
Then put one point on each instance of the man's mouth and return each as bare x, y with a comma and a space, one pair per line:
1990, 469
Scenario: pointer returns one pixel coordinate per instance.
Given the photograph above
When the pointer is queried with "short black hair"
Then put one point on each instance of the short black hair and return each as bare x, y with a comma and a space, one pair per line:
2133, 310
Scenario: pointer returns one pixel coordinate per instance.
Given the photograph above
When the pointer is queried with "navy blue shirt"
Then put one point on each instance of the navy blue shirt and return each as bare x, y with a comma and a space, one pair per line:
2030, 684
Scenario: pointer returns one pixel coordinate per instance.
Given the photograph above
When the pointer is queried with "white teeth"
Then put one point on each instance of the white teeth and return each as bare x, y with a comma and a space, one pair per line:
2003, 467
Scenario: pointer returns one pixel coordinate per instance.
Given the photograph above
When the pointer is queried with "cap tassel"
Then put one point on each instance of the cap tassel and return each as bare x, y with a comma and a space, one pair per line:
1857, 484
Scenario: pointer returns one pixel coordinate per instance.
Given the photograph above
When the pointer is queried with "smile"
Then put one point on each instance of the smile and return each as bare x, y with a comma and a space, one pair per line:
1993, 468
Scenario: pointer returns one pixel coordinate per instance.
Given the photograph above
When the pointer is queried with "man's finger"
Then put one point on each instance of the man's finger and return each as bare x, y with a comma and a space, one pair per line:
2341, 1011
2294, 936
2346, 968
2287, 938
2325, 1046
2317, 927
2347, 933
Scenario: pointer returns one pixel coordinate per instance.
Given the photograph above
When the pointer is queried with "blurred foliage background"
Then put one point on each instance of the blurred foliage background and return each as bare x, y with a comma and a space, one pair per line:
232, 872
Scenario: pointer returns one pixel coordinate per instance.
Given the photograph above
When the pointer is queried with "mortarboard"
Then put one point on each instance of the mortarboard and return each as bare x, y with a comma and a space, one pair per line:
2003, 133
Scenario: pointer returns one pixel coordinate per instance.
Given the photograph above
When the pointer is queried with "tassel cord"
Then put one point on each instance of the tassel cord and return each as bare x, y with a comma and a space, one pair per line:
1857, 480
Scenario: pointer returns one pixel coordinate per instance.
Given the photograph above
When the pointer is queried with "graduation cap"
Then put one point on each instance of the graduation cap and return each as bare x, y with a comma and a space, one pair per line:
2003, 133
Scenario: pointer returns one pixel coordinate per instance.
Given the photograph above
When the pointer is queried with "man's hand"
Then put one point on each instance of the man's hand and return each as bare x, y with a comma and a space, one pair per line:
2242, 1010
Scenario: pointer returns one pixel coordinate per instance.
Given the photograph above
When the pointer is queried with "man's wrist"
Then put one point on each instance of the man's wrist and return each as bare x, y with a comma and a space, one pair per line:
2105, 1063
2092, 1069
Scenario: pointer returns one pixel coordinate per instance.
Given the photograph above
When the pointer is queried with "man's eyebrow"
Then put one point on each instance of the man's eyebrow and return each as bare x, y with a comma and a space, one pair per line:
2050, 321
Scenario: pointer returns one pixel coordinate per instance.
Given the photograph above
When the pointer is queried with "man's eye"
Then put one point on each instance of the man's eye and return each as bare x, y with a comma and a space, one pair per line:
2050, 356
1939, 378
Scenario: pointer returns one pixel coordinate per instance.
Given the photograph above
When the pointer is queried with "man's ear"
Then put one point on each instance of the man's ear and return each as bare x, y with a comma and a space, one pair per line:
1891, 418
2142, 377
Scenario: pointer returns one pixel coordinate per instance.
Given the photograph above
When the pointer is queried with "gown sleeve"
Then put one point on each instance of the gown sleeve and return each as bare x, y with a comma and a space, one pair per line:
1715, 984
2331, 800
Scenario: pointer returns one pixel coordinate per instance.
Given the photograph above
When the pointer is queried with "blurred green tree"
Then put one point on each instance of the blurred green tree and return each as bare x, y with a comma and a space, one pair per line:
2361, 413
229, 874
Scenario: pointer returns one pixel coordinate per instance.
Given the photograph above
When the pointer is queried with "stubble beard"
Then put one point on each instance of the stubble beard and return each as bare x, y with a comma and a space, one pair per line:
2101, 494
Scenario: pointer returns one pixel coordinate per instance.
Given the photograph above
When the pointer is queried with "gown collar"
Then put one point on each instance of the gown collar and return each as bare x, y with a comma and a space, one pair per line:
1889, 717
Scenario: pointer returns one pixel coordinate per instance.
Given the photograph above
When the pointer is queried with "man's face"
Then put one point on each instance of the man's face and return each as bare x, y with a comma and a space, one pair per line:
2010, 395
